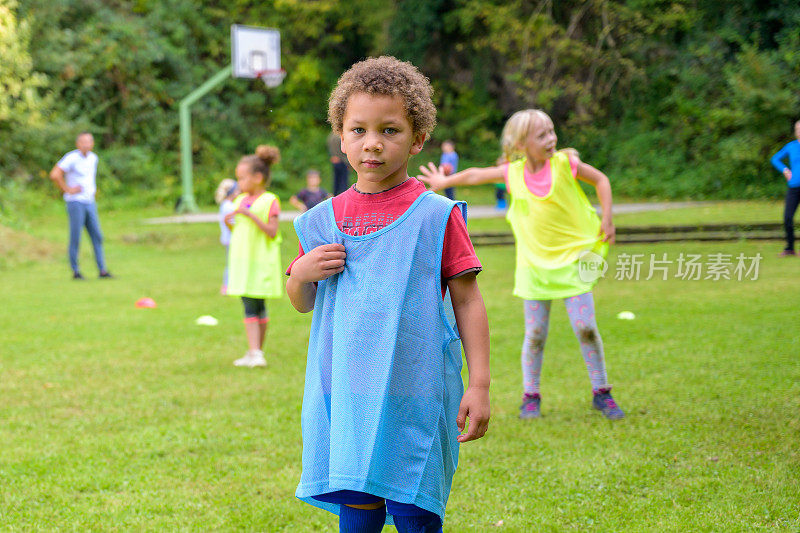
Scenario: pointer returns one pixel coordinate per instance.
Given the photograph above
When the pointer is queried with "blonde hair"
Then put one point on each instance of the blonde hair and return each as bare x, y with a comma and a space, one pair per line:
517, 129
224, 189
388, 76
262, 160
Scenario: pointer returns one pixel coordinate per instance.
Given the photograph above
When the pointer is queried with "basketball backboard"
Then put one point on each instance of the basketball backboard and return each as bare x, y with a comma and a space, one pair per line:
255, 51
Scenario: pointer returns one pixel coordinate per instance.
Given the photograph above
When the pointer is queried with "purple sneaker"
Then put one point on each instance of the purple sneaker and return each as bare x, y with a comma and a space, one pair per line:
603, 402
787, 253
530, 406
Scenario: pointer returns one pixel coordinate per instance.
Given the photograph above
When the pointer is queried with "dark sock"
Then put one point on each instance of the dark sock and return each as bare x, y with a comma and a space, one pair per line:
353, 520
428, 523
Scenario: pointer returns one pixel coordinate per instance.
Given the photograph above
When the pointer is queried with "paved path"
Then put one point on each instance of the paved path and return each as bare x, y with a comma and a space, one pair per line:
475, 211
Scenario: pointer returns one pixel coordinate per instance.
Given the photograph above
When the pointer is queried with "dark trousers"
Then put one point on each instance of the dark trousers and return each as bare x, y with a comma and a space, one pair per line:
341, 177
789, 208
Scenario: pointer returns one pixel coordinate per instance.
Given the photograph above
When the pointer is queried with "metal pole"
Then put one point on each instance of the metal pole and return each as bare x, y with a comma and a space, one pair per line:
187, 197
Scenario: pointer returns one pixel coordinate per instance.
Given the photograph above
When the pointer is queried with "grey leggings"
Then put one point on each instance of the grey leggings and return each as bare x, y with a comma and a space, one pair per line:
581, 315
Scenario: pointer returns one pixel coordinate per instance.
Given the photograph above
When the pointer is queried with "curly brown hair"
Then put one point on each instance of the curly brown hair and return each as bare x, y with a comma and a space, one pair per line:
262, 160
385, 75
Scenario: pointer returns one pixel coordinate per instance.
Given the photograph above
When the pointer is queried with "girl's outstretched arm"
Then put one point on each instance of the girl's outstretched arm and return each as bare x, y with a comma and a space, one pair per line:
435, 177
589, 174
473, 327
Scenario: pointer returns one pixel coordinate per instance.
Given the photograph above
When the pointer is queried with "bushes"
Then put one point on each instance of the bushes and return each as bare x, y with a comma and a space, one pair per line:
673, 99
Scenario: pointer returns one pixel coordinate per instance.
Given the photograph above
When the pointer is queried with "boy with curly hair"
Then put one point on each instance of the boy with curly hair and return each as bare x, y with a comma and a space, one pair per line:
384, 406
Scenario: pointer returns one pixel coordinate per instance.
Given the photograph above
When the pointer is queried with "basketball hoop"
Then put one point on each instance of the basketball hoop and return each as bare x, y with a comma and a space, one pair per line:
272, 77
256, 53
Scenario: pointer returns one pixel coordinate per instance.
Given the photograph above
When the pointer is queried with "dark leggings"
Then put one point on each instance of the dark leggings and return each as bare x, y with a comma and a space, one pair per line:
254, 307
789, 208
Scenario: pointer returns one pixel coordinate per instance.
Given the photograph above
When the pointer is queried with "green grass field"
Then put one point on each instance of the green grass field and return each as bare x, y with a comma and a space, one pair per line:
123, 419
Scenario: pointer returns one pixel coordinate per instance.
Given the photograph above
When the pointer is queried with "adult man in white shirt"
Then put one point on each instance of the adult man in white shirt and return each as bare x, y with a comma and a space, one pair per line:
75, 175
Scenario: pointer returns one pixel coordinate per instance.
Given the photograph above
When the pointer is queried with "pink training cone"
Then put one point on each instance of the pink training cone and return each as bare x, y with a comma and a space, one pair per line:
145, 303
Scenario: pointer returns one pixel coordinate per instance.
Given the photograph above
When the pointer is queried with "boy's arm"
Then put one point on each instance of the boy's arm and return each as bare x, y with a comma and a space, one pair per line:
435, 177
301, 294
473, 327
602, 185
320, 263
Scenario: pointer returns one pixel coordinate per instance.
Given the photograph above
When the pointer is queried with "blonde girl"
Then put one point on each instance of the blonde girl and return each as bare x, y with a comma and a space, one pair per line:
254, 270
555, 227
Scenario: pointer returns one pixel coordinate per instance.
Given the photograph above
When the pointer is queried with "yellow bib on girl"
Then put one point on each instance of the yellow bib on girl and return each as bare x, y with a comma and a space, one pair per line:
552, 232
254, 259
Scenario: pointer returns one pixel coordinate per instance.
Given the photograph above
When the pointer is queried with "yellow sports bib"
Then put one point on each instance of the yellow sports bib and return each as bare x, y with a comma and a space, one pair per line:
254, 259
551, 233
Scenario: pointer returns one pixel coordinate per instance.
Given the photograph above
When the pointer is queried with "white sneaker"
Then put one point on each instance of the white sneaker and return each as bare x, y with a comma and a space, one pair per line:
251, 359
257, 358
243, 361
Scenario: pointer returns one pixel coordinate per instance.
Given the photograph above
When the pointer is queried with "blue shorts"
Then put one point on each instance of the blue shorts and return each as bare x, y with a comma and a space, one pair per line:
352, 497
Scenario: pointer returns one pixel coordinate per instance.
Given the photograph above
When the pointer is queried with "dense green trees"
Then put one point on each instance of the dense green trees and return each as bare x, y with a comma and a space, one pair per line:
23, 100
672, 98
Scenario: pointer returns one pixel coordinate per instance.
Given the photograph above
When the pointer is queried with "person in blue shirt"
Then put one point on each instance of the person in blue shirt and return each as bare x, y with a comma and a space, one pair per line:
449, 162
791, 172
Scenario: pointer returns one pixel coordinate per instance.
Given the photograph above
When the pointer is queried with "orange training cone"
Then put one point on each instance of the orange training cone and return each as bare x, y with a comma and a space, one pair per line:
145, 303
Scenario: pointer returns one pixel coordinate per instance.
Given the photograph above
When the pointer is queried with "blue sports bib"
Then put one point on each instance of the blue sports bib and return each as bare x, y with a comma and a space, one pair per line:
383, 378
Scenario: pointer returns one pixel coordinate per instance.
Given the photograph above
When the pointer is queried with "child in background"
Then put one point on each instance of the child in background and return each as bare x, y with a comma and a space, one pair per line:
500, 196
553, 224
500, 188
791, 172
224, 196
254, 256
449, 164
311, 195
379, 264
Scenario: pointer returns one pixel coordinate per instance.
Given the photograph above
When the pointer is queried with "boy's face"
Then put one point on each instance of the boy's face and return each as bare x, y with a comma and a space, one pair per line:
448, 147
313, 180
378, 139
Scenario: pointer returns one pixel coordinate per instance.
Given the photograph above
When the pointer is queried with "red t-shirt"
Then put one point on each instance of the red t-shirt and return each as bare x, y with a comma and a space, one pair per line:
359, 213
